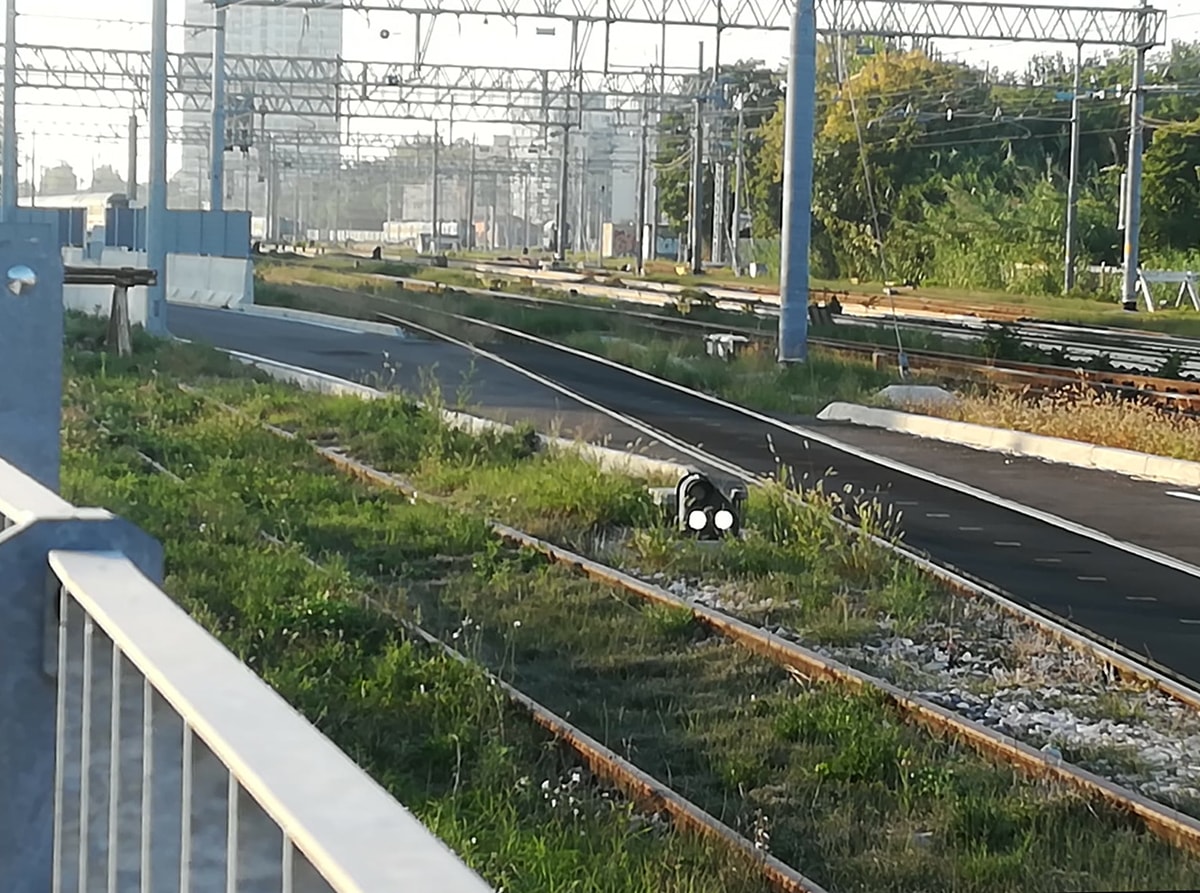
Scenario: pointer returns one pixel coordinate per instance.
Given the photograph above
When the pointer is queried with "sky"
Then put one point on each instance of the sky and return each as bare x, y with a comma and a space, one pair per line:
68, 134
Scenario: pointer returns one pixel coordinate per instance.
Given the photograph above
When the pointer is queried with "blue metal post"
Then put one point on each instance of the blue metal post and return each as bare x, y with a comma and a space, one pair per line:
216, 152
8, 186
797, 185
156, 204
31, 337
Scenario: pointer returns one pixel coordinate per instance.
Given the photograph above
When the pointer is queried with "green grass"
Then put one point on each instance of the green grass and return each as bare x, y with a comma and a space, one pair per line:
433, 732
841, 786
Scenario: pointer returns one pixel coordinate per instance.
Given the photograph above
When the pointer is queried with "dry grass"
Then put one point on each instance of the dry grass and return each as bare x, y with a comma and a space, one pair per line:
1104, 420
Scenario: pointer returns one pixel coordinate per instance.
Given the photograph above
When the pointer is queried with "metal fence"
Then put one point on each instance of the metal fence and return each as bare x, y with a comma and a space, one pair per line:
170, 766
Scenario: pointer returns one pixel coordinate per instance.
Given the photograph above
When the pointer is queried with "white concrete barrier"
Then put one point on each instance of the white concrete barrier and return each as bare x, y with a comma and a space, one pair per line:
319, 319
615, 461
191, 279
1019, 443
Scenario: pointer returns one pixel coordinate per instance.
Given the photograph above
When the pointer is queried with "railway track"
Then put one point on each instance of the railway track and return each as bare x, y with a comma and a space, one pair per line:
1177, 828
1177, 395
748, 445
649, 793
1130, 351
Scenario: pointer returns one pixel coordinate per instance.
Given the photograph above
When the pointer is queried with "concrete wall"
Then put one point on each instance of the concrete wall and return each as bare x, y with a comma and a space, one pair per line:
213, 281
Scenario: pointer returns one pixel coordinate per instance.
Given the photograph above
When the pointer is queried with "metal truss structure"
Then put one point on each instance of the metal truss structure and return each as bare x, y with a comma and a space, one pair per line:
337, 88
935, 19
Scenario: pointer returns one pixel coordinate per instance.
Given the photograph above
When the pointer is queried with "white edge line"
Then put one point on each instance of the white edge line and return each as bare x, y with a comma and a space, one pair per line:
1182, 495
918, 473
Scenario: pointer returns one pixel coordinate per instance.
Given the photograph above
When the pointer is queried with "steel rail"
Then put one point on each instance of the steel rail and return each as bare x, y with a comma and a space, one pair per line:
1178, 395
650, 794
1171, 825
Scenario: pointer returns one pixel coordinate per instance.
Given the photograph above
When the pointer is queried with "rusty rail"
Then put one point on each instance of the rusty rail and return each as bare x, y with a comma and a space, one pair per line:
1169, 393
641, 787
1171, 825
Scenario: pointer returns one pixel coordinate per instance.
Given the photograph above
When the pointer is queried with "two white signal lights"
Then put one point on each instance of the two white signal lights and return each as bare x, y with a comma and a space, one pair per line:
705, 512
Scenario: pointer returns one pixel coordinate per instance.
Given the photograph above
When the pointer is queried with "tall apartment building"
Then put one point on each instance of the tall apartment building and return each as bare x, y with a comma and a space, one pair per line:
259, 31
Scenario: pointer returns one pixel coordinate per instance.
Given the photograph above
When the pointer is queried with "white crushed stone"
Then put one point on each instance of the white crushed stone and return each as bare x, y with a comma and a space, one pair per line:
1002, 673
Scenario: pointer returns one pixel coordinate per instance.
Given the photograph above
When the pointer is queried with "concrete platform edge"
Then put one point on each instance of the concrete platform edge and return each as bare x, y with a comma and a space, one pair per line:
615, 461
1019, 443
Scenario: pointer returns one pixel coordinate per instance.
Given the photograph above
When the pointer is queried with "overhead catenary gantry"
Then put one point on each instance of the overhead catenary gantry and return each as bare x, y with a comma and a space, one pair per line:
968, 19
311, 87
1136, 28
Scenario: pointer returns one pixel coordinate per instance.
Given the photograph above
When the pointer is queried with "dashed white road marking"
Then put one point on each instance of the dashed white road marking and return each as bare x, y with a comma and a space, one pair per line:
971, 529
1011, 544
1092, 579
1048, 560
1141, 598
937, 514
1189, 621
1184, 495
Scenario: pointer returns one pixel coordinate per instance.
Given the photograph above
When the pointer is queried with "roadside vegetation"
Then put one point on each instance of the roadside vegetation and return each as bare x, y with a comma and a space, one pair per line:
835, 784
1080, 415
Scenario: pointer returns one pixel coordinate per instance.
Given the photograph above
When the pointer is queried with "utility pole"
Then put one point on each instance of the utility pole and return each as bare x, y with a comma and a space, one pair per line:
525, 209
797, 184
560, 214
640, 225
718, 223
8, 172
697, 232
581, 222
600, 228
739, 178
471, 199
1073, 182
156, 204
433, 201
131, 175
1133, 196
216, 160
560, 223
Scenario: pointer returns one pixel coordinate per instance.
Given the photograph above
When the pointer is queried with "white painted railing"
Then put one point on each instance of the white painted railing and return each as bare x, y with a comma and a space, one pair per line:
175, 768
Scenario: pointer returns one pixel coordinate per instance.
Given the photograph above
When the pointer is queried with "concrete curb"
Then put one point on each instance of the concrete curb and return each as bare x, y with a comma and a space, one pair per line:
614, 461
308, 316
1018, 443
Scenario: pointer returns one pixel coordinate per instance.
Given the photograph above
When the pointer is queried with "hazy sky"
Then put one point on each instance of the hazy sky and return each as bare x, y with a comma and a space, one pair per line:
68, 134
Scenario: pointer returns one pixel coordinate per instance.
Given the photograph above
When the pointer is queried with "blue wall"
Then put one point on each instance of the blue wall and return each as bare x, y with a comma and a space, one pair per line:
213, 233
68, 224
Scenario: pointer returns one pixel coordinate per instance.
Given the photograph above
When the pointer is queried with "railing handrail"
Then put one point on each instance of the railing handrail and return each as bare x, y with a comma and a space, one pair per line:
23, 499
348, 827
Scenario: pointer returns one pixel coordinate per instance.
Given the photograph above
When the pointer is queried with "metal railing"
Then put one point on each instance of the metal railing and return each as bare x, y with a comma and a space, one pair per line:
173, 767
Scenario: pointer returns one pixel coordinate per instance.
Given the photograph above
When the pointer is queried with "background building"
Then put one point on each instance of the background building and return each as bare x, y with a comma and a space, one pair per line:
258, 31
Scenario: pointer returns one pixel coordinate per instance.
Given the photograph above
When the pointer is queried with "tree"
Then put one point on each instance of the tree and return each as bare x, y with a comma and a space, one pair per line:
106, 179
760, 90
59, 180
1171, 188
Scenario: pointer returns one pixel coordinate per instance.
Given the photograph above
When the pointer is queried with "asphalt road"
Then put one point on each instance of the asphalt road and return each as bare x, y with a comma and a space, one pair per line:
415, 366
1148, 607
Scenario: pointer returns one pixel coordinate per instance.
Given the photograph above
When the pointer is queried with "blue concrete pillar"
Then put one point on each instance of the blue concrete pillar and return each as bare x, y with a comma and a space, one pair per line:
31, 346
797, 185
